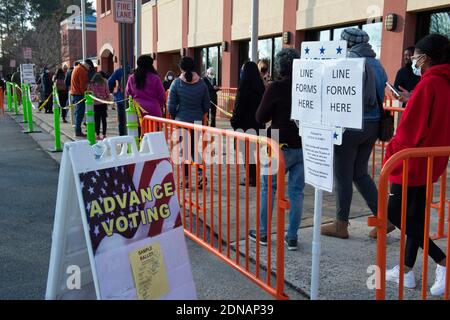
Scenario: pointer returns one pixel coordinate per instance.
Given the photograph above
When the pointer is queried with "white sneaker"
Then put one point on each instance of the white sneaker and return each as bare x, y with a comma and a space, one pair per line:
393, 275
438, 287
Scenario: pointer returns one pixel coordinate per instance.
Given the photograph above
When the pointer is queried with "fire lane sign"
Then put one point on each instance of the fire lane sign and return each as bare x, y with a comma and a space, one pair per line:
124, 11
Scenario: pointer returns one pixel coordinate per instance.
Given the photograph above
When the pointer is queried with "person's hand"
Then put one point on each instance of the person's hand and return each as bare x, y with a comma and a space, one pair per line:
405, 94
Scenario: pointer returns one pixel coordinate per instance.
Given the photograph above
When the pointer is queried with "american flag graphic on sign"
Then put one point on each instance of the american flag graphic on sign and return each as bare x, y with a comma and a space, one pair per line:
116, 185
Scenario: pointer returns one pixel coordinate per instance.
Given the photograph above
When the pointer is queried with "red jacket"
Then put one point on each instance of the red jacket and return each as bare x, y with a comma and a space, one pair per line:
425, 123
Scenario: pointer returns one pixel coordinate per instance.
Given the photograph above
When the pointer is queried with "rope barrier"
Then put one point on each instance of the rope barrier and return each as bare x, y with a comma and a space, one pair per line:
222, 110
45, 103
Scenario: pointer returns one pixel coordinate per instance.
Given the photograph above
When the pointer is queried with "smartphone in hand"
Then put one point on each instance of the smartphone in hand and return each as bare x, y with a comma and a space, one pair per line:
393, 90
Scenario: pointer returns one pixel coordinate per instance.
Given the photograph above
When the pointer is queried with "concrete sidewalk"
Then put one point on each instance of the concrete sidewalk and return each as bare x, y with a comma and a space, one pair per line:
339, 278
26, 224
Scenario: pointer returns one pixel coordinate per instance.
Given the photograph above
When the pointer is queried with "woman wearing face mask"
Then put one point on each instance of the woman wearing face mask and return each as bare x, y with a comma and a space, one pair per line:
168, 80
263, 66
425, 123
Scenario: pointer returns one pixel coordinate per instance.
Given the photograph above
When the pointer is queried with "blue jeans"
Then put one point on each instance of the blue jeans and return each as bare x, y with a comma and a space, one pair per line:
294, 166
79, 113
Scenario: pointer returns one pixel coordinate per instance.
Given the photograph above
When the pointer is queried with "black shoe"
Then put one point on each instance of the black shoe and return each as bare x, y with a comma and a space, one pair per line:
250, 184
291, 244
262, 238
64, 121
186, 184
200, 183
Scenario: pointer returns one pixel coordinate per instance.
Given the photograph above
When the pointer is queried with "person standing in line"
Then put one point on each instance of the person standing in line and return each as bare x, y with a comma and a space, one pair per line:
99, 87
168, 79
249, 95
276, 107
425, 123
146, 88
78, 86
263, 66
46, 90
115, 87
406, 80
351, 159
189, 101
58, 80
211, 84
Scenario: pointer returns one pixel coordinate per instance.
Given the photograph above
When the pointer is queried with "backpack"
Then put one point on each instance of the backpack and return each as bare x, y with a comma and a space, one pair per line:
60, 85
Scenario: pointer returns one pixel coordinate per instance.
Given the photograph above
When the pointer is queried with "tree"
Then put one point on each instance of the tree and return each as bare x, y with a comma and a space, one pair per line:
35, 24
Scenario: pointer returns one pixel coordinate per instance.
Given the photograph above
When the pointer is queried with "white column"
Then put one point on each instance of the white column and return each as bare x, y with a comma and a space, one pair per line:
138, 31
254, 38
83, 28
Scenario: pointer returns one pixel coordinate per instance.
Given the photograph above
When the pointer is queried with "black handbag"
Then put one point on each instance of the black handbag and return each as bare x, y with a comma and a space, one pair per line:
386, 131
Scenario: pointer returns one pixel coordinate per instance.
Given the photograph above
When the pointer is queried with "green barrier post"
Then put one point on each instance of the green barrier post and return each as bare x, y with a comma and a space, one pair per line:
56, 120
9, 96
132, 124
16, 104
29, 109
90, 121
24, 103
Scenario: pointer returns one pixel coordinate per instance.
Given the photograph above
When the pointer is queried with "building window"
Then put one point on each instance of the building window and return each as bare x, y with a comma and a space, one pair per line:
373, 30
102, 7
433, 22
267, 49
211, 57
108, 5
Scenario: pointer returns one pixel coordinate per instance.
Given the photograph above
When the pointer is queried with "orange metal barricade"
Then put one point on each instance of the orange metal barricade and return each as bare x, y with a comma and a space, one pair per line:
380, 221
230, 213
225, 100
377, 159
2, 106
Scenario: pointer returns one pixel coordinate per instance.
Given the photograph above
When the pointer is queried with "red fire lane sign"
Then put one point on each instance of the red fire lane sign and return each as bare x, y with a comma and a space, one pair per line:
124, 11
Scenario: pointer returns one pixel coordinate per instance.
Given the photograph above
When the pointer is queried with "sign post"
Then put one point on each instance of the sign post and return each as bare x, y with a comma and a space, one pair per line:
326, 97
27, 73
123, 15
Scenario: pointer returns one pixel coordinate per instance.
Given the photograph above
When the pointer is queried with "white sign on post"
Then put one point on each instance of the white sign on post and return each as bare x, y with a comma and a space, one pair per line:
124, 11
317, 144
321, 126
27, 53
307, 91
118, 231
27, 73
324, 49
342, 103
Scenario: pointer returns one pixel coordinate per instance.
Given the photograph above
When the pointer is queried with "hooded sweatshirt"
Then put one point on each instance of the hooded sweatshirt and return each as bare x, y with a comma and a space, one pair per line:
151, 97
374, 80
425, 123
188, 101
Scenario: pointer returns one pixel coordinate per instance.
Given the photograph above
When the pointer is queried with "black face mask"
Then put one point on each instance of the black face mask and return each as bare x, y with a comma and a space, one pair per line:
263, 70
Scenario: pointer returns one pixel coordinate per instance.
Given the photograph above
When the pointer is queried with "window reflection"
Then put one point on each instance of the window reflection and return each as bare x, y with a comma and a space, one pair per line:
440, 23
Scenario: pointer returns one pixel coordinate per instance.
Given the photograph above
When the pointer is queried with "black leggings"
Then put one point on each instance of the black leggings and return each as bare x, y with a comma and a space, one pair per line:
415, 222
100, 115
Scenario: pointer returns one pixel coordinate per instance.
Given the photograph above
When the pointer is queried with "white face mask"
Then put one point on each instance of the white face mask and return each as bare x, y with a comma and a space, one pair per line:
416, 69
170, 78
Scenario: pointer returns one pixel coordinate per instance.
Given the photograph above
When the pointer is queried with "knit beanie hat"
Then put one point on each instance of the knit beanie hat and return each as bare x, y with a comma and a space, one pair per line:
354, 36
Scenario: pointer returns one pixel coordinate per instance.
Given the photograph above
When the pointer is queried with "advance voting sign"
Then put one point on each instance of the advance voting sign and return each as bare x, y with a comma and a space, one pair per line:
118, 220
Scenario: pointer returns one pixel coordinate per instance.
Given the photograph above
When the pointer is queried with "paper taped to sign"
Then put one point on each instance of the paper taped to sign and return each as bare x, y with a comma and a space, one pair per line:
318, 157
